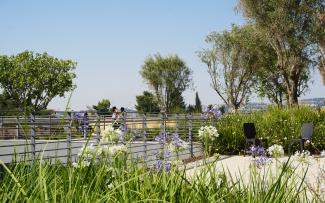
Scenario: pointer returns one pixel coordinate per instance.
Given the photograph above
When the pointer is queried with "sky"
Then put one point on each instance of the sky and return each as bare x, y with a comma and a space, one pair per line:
111, 39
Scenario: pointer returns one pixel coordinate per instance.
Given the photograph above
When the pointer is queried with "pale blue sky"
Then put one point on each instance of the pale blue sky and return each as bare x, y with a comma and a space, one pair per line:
111, 39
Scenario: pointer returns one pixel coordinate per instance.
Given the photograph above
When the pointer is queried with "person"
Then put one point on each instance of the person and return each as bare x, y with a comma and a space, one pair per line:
123, 113
123, 117
115, 118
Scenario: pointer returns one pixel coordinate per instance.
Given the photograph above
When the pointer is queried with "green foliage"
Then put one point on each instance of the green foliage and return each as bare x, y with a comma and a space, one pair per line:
169, 77
103, 107
115, 181
231, 61
33, 80
277, 125
7, 105
146, 103
292, 28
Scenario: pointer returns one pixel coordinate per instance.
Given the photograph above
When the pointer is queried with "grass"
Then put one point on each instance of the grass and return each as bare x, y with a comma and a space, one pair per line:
121, 181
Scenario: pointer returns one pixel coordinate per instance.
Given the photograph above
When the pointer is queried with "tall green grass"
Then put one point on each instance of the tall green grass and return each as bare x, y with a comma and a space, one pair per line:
111, 181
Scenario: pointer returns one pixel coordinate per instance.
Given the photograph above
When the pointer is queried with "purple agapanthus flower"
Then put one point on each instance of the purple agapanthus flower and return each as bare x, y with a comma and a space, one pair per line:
256, 151
262, 161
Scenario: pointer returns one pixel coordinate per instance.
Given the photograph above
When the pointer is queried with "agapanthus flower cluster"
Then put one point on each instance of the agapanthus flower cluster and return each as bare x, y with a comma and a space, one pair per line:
276, 151
90, 151
262, 161
304, 157
112, 135
114, 150
259, 155
212, 113
170, 143
256, 151
208, 133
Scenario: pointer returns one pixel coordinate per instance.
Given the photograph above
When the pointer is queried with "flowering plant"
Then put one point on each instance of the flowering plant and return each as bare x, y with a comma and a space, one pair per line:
304, 157
208, 134
115, 150
275, 151
112, 135
256, 151
169, 143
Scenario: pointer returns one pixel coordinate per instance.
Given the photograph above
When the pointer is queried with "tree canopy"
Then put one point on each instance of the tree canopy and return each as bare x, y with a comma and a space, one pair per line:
169, 77
146, 103
292, 29
103, 107
32, 80
231, 61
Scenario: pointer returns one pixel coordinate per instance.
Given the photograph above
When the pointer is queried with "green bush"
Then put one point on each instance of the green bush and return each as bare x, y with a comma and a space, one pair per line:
277, 125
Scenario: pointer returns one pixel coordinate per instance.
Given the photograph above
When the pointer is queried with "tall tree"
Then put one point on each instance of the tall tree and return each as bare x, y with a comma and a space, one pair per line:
147, 102
198, 104
103, 107
321, 37
169, 77
231, 64
289, 26
33, 80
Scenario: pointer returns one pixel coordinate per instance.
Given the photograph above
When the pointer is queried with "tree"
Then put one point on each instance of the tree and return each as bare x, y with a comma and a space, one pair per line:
289, 26
33, 80
198, 104
321, 38
231, 63
7, 105
103, 107
169, 77
147, 102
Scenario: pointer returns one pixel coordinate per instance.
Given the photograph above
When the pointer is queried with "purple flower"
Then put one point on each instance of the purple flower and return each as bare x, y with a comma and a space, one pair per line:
262, 161
256, 151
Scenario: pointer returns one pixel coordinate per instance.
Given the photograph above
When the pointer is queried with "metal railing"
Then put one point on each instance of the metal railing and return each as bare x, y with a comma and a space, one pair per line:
62, 135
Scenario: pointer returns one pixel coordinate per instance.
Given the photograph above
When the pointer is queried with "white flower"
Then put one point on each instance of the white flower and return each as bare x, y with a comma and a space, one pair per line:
276, 151
115, 149
111, 135
303, 157
86, 151
208, 132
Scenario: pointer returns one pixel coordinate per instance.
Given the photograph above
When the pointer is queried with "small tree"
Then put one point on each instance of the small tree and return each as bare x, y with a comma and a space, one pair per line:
33, 80
146, 103
169, 77
198, 104
103, 107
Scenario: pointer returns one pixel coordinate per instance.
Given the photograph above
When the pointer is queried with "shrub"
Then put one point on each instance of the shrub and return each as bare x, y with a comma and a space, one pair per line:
276, 125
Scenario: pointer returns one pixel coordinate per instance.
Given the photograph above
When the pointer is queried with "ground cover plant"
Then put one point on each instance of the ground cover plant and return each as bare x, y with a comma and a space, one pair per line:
277, 125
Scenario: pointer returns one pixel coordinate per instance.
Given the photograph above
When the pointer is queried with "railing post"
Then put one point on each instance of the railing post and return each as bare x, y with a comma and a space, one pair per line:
32, 135
50, 118
144, 128
97, 128
177, 123
2, 127
190, 134
69, 137
163, 131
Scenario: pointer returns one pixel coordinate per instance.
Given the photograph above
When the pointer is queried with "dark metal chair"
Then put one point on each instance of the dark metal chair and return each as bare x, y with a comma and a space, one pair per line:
250, 134
306, 133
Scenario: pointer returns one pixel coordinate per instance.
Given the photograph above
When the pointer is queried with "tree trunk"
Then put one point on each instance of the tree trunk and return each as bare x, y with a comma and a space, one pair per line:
292, 92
